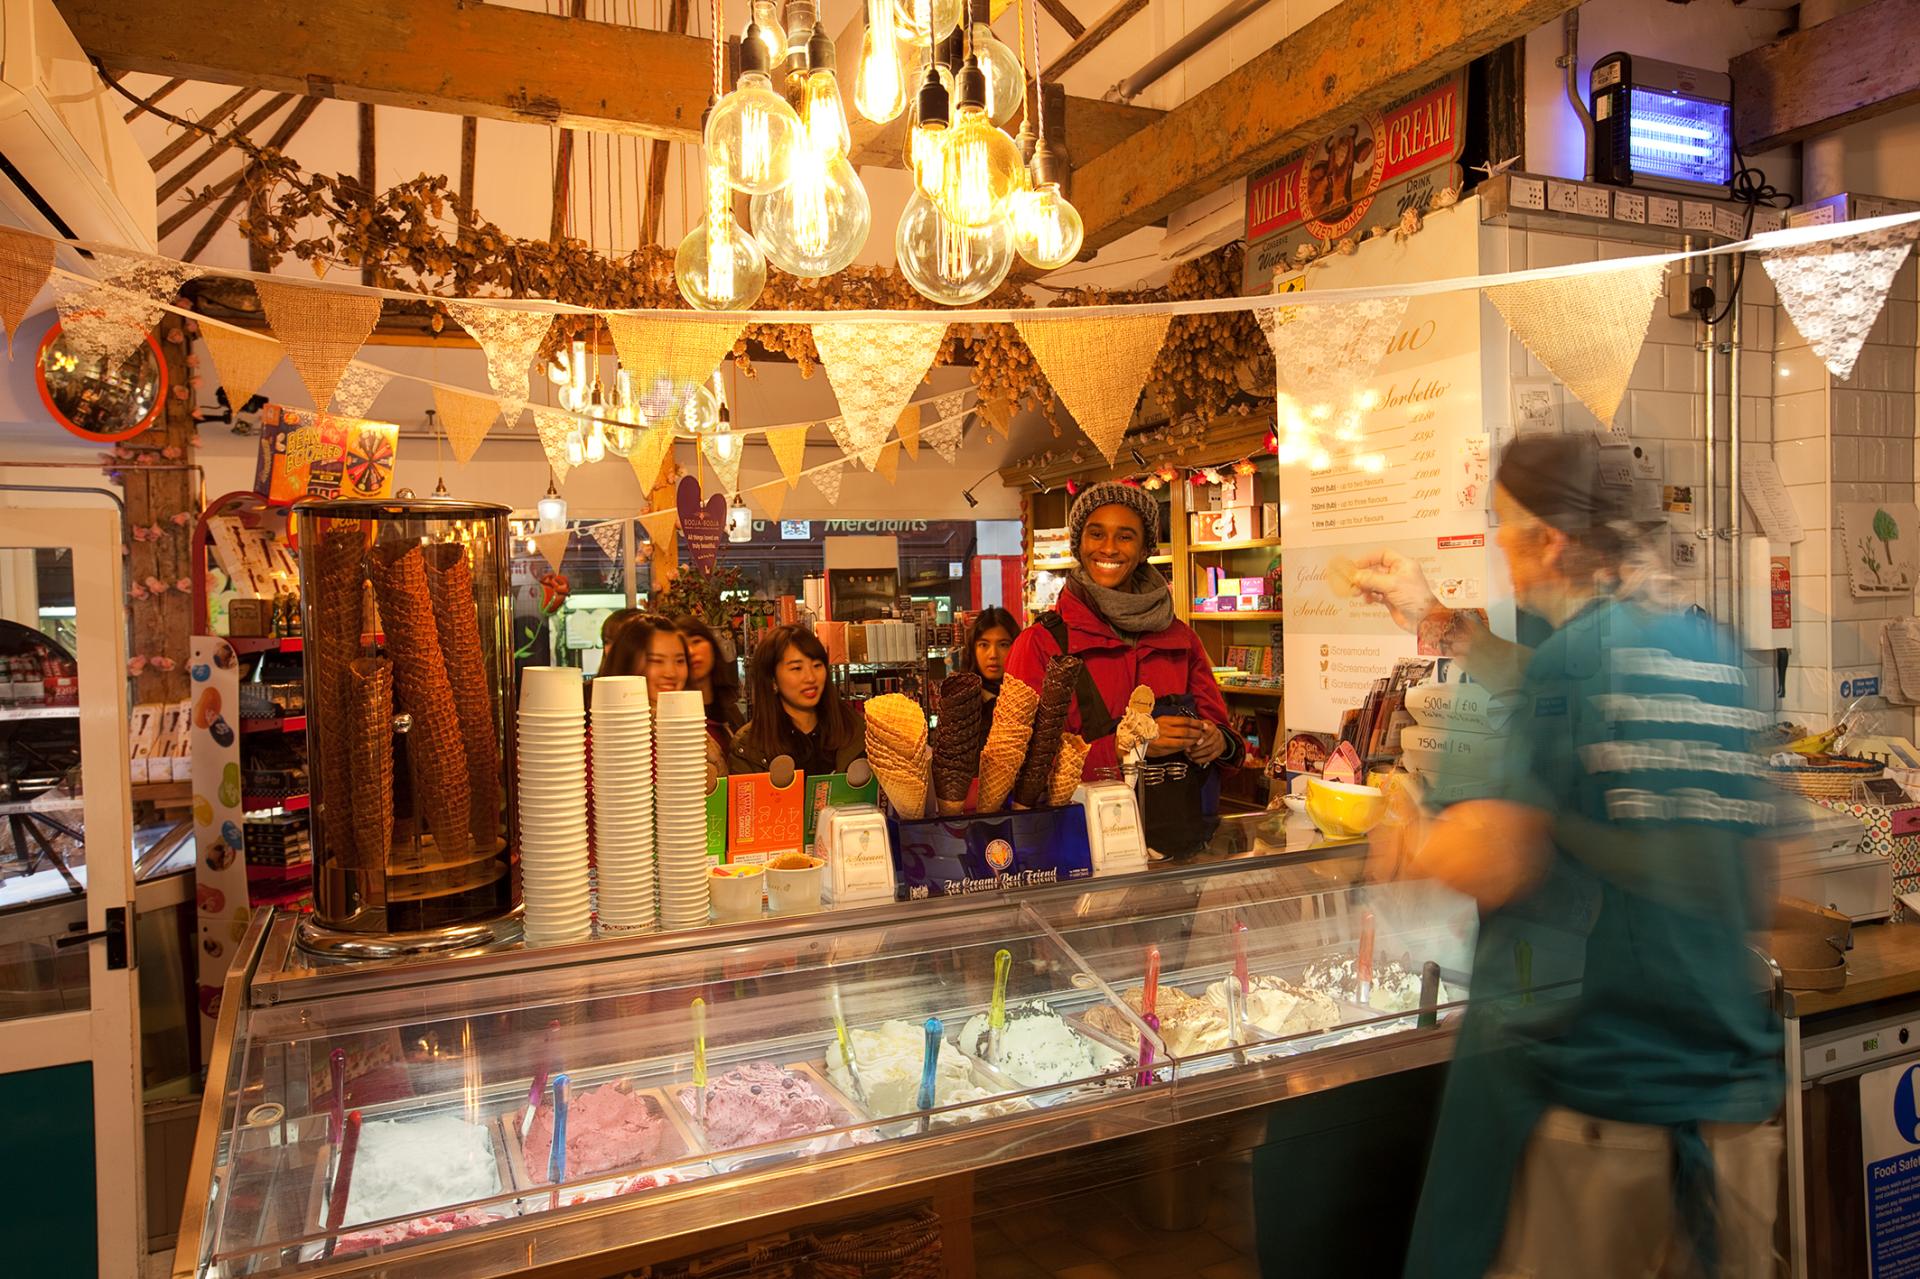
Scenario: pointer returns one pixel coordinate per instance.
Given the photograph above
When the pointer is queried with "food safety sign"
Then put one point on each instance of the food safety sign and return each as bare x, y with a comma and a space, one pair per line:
1890, 1144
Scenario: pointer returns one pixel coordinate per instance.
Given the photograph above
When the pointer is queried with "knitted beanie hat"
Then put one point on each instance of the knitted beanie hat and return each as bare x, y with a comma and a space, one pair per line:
1112, 493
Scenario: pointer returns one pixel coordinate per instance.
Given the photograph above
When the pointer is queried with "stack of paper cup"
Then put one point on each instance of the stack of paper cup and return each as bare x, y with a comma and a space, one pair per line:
680, 809
623, 804
552, 755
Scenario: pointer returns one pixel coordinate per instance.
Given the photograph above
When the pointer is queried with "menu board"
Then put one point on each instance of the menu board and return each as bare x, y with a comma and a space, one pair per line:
1429, 500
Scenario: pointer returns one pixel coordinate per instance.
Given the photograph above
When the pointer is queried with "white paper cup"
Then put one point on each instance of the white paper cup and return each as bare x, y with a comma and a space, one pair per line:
736, 891
611, 692
682, 704
796, 892
552, 688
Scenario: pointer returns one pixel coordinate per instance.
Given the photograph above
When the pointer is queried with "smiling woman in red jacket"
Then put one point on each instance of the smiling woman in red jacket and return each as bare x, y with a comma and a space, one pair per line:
1116, 614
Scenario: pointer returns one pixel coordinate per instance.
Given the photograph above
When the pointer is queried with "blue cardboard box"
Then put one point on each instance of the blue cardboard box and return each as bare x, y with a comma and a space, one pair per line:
987, 852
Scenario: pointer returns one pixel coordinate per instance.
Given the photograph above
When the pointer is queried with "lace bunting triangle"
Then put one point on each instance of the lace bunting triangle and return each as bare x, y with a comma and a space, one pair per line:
358, 388
1834, 290
827, 480
555, 428
874, 369
609, 537
1326, 354
510, 339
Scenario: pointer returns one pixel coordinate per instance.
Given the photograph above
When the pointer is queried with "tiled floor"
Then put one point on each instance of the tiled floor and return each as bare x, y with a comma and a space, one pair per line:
1096, 1236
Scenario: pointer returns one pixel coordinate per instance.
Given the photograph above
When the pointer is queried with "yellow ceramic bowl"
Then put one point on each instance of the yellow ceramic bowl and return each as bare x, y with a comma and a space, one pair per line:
1344, 811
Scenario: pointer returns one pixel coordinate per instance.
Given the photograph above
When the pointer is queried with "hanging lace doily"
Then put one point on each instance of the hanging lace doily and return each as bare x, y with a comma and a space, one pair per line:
1587, 329
874, 369
1834, 290
609, 537
943, 437
1097, 368
510, 339
555, 427
358, 388
108, 317
1323, 354
827, 480
726, 466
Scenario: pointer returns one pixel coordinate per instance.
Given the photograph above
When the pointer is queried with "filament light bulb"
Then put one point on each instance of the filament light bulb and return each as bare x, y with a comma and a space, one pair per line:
880, 84
767, 29
947, 263
596, 443
1006, 81
719, 267
817, 224
752, 133
914, 17
981, 165
1047, 230
821, 109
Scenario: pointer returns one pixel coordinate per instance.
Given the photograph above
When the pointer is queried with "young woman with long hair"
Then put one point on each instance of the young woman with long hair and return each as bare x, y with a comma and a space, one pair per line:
797, 711
713, 674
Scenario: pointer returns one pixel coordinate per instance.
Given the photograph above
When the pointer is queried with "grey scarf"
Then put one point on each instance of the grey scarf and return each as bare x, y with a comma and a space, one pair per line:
1140, 606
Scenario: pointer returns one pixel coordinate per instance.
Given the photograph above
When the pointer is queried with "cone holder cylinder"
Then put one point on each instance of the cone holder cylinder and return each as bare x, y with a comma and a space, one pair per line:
409, 674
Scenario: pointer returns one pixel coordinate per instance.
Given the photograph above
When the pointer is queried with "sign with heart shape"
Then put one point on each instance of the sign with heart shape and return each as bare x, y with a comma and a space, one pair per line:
703, 523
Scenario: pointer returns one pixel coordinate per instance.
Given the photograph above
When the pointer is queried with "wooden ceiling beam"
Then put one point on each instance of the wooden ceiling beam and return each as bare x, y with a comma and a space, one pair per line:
1852, 67
181, 145
296, 118
1064, 16
218, 146
1359, 55
1093, 37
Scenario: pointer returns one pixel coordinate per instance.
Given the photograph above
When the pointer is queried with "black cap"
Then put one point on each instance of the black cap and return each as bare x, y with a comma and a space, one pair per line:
980, 11
753, 51
933, 99
970, 86
820, 54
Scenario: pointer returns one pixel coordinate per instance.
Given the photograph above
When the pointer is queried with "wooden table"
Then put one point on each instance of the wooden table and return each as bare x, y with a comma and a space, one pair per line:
1883, 964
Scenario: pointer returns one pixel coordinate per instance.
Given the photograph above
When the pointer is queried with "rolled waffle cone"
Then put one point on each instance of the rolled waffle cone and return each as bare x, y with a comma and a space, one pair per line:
897, 720
1067, 768
998, 769
369, 734
904, 776
434, 745
1049, 722
333, 609
1006, 744
456, 619
957, 740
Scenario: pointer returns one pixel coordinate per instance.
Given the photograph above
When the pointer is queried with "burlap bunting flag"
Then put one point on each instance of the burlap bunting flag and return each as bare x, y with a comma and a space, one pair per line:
25, 263
244, 359
555, 427
1097, 368
1834, 290
1326, 354
789, 445
650, 453
770, 498
1586, 328
943, 437
553, 547
466, 419
888, 467
874, 369
510, 339
609, 537
660, 526
726, 466
685, 351
320, 328
997, 412
827, 480
908, 429
358, 388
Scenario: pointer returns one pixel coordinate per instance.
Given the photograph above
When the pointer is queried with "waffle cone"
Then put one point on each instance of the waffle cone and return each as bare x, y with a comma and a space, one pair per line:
1067, 769
997, 774
456, 620
368, 730
434, 747
333, 608
951, 807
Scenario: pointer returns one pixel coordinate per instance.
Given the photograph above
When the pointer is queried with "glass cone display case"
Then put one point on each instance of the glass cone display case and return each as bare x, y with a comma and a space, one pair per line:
406, 1117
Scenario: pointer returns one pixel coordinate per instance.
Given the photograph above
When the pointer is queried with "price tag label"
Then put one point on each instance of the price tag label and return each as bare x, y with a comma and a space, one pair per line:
1730, 224
1695, 216
1563, 197
1663, 212
1527, 193
1629, 206
1595, 202
1765, 220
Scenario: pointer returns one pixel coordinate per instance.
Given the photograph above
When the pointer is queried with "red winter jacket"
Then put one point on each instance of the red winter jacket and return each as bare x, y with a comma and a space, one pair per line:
1169, 661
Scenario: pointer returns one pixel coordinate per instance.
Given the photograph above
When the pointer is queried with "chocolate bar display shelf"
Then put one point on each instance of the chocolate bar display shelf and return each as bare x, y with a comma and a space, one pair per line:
397, 1117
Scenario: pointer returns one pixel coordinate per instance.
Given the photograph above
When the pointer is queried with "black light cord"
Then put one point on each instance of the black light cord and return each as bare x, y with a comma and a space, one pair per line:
1751, 188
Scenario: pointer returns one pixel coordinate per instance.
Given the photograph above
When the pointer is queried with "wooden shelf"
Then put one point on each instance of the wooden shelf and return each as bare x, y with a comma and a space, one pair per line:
1250, 690
1054, 565
1250, 544
246, 646
1237, 617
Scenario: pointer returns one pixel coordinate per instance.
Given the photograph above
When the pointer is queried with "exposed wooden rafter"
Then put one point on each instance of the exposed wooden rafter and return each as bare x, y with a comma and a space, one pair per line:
1852, 67
217, 147
655, 212
282, 135
152, 99
1093, 37
1059, 12
181, 145
1359, 55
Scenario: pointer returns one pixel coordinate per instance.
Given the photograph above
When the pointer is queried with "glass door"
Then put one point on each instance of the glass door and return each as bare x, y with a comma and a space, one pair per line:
69, 1016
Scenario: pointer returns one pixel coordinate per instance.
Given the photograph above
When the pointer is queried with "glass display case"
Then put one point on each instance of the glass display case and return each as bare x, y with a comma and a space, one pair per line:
408, 737
709, 1088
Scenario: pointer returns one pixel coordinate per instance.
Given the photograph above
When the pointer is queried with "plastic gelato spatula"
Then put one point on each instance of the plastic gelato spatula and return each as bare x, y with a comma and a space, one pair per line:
847, 1057
997, 1013
700, 1062
1363, 959
1150, 990
557, 1154
1429, 993
539, 1087
930, 1065
342, 1180
1240, 969
1145, 1076
1236, 1011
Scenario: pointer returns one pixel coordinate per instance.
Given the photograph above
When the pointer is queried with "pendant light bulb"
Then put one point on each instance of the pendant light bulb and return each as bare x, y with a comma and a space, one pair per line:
596, 443
927, 143
947, 263
880, 83
752, 134
697, 412
719, 267
1006, 79
552, 509
980, 167
821, 109
576, 448
772, 36
817, 224
1047, 229
914, 17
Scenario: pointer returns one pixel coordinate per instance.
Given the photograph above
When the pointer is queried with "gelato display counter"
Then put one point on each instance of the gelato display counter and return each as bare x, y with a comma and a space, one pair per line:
620, 1106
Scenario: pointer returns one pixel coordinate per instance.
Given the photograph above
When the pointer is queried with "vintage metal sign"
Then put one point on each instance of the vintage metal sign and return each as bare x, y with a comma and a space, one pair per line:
1361, 175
